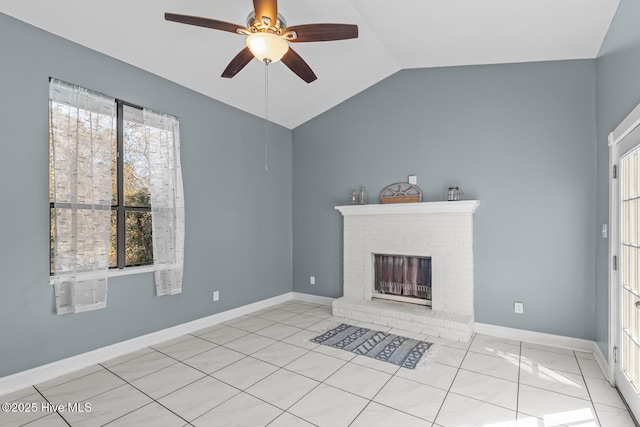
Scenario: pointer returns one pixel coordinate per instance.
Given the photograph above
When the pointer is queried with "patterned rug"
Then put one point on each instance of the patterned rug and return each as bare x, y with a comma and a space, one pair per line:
396, 349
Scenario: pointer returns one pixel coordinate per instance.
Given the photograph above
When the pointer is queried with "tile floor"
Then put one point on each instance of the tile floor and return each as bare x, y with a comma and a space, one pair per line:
262, 370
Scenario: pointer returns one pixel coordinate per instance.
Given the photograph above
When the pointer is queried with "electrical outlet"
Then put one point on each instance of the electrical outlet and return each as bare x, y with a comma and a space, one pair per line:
216, 295
518, 307
312, 280
413, 179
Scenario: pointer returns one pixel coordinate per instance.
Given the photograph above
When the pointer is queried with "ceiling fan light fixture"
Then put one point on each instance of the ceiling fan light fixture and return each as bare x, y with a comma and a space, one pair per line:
267, 46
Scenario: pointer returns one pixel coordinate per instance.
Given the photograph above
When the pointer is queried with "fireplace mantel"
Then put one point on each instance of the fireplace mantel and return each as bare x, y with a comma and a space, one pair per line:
458, 207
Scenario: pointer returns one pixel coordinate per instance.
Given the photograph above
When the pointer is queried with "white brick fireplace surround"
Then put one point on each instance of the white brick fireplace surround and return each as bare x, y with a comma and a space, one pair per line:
440, 230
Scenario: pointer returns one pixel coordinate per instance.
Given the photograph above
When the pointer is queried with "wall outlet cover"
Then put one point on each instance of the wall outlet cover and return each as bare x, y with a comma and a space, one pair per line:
312, 280
216, 295
518, 307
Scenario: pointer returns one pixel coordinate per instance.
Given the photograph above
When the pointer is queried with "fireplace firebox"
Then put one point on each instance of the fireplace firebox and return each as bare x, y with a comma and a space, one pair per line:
402, 278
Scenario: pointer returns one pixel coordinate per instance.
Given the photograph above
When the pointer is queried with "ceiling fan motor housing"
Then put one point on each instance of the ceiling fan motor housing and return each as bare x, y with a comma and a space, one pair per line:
265, 25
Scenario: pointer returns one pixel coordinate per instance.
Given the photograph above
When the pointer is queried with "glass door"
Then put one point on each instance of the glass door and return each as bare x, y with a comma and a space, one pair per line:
627, 370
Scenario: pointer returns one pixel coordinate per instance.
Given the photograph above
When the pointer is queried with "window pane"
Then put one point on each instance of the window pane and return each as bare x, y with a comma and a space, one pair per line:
113, 248
136, 159
139, 250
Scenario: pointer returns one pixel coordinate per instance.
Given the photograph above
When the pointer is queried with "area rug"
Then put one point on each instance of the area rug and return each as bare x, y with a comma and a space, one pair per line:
396, 349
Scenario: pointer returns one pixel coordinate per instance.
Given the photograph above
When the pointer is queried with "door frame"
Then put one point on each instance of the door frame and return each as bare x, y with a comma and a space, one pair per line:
616, 148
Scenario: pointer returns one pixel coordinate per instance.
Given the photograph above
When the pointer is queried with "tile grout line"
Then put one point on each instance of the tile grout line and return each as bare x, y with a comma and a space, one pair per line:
518, 386
48, 401
586, 386
150, 397
454, 378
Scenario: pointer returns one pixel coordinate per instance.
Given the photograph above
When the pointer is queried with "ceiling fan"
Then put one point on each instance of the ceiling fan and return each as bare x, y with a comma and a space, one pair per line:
268, 37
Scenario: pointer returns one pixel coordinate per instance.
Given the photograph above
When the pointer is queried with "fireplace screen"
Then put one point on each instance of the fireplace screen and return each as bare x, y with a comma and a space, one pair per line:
404, 276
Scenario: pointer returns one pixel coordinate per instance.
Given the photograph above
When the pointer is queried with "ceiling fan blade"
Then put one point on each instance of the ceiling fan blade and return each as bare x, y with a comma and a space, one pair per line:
321, 32
266, 9
238, 63
296, 64
206, 22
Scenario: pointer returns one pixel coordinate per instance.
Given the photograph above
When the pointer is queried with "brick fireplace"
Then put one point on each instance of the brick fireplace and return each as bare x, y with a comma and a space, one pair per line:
442, 231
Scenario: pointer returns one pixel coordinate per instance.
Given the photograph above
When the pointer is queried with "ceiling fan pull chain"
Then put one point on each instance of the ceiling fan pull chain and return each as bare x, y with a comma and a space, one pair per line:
266, 114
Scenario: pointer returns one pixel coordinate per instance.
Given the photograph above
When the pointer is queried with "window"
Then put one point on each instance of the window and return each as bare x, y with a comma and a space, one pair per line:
108, 161
131, 241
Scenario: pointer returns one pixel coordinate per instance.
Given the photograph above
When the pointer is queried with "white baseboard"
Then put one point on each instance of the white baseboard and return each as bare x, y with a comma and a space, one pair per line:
312, 298
604, 365
541, 338
37, 375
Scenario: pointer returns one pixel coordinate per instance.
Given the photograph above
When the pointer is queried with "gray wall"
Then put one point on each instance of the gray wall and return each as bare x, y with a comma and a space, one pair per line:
520, 138
231, 245
618, 92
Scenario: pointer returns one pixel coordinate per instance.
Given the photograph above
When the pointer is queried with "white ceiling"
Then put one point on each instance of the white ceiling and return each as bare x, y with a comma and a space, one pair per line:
393, 35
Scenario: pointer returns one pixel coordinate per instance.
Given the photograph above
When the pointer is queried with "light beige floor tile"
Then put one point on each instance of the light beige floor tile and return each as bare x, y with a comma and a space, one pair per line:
167, 380
107, 407
445, 355
301, 321
360, 380
602, 392
73, 375
277, 315
249, 344
495, 346
126, 357
212, 360
376, 415
83, 388
613, 417
433, 374
315, 365
590, 368
252, 324
197, 398
141, 366
280, 353
152, 414
289, 420
329, 406
553, 380
460, 411
282, 388
411, 397
488, 389
244, 373
224, 335
555, 407
241, 410
551, 360
303, 339
52, 420
188, 348
278, 331
505, 367
22, 409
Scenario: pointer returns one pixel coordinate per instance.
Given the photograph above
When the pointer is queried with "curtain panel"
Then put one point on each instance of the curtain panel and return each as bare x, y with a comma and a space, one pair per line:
82, 134
167, 200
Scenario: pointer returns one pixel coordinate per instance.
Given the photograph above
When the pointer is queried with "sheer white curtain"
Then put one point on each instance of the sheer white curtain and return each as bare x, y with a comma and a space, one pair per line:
82, 134
167, 200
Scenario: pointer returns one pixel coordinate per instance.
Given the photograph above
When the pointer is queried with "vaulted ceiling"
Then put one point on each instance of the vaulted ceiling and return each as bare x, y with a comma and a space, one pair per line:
393, 35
